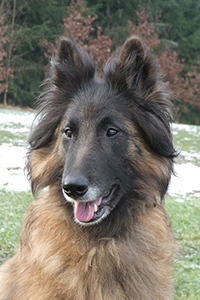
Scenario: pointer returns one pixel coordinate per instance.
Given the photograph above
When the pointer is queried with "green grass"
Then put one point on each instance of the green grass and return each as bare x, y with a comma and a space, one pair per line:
13, 132
12, 207
16, 139
185, 220
188, 141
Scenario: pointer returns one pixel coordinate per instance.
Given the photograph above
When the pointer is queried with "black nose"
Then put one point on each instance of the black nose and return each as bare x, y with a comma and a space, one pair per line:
75, 186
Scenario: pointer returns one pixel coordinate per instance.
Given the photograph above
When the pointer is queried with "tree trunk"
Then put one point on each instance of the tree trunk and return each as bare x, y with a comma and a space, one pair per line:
9, 54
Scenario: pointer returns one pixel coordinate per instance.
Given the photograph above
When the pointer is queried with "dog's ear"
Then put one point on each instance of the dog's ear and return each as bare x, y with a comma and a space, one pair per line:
72, 65
70, 52
134, 70
134, 67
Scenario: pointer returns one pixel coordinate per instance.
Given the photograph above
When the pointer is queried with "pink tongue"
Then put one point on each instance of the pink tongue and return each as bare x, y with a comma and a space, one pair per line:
84, 211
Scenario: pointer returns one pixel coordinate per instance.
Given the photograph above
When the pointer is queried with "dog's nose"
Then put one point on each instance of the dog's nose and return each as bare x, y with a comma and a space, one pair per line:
75, 186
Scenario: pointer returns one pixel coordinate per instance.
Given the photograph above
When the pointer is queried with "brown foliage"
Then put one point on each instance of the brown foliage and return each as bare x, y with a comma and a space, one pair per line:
187, 87
6, 71
145, 29
79, 27
3, 54
99, 49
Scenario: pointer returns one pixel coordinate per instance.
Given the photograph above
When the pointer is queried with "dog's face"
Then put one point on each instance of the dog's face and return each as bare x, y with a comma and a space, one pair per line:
95, 142
105, 142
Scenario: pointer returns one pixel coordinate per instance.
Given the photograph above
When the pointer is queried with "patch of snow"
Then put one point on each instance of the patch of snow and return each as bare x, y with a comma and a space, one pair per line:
15, 130
179, 200
186, 181
12, 158
190, 155
12, 163
189, 128
16, 117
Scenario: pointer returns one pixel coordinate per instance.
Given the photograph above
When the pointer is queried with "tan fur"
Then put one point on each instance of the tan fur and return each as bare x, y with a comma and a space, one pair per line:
42, 162
58, 260
147, 163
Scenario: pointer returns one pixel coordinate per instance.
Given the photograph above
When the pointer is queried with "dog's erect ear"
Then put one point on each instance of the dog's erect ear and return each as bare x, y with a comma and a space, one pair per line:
69, 52
133, 68
71, 65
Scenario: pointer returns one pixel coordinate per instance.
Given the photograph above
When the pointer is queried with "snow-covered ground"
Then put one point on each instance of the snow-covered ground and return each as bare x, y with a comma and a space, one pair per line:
12, 157
186, 181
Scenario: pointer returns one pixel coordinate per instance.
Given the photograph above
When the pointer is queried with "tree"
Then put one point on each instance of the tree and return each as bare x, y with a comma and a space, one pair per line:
183, 18
3, 54
113, 16
79, 26
99, 49
10, 48
5, 70
24, 54
186, 85
171, 31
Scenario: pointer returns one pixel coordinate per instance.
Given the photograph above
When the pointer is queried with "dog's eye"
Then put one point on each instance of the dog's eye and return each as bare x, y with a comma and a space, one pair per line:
111, 132
68, 133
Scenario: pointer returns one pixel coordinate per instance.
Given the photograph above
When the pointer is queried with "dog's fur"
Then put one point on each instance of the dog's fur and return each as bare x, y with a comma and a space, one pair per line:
101, 144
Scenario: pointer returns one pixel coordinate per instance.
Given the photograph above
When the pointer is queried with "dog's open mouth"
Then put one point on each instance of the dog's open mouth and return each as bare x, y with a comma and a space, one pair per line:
93, 211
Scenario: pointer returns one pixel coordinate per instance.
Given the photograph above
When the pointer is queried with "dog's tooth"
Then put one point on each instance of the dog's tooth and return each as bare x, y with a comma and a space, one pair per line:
95, 208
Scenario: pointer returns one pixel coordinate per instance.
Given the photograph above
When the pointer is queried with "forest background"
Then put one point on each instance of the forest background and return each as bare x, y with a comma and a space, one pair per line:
29, 31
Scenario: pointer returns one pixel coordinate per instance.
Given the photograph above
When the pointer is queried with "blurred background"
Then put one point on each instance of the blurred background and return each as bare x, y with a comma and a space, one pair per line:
29, 31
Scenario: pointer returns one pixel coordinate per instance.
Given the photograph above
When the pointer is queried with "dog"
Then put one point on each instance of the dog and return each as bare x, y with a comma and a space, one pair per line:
102, 150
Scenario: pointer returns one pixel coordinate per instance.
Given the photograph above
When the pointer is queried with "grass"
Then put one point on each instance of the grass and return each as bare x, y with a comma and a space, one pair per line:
184, 212
16, 139
12, 207
187, 138
13, 131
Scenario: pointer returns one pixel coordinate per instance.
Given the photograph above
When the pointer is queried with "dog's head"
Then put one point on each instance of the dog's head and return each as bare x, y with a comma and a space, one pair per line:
105, 143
